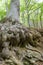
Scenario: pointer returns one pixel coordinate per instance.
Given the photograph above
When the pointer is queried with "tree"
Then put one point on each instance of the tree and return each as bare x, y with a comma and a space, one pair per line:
14, 11
30, 7
19, 45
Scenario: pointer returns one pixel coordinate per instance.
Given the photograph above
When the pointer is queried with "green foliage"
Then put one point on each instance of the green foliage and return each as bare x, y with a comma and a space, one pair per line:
31, 12
2, 14
3, 5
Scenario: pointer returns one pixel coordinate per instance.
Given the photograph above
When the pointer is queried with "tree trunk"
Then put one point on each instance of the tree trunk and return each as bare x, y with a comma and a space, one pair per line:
14, 11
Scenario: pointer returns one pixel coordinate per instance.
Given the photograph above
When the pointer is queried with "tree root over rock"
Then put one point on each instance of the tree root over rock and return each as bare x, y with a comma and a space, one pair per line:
20, 45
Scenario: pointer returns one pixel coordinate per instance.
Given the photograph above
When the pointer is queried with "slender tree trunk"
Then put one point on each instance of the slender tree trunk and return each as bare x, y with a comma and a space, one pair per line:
28, 16
40, 20
33, 23
23, 19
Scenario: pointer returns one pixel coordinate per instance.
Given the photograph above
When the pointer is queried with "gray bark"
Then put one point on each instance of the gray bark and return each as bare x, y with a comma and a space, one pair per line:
14, 11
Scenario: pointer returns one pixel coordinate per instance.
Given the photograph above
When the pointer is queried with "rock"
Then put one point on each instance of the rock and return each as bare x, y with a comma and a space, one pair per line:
5, 44
20, 45
5, 53
9, 62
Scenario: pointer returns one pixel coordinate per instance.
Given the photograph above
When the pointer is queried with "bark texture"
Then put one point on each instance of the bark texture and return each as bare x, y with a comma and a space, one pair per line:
14, 11
20, 45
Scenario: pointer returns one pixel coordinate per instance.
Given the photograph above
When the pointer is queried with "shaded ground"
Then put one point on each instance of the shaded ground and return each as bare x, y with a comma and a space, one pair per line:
20, 45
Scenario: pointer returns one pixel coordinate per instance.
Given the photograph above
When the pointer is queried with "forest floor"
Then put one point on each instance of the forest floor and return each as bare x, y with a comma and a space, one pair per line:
20, 45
